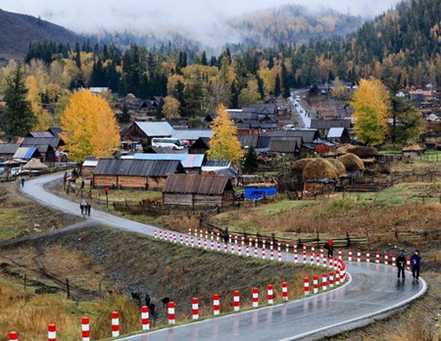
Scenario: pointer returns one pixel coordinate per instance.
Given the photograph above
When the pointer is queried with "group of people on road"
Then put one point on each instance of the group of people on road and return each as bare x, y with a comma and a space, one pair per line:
415, 264
85, 208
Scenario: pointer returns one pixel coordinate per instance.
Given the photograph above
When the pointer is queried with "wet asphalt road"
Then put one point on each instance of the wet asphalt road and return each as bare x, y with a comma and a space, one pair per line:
373, 292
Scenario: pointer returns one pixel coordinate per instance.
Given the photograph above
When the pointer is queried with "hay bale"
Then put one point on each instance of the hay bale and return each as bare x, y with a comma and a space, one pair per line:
299, 165
319, 169
339, 167
363, 152
352, 162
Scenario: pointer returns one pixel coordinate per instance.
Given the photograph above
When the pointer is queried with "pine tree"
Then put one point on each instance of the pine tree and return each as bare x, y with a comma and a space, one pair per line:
235, 92
250, 163
204, 60
125, 114
224, 144
284, 81
18, 118
277, 87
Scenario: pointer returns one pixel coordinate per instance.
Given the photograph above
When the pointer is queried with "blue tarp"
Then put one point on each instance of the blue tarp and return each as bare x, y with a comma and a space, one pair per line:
260, 192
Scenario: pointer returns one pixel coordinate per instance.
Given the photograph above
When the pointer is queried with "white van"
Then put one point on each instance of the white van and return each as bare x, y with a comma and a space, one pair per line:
167, 143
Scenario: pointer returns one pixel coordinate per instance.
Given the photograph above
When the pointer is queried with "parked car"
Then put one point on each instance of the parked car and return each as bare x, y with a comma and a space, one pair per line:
167, 143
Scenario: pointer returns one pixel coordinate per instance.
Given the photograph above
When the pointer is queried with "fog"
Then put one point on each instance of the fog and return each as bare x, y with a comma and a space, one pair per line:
202, 19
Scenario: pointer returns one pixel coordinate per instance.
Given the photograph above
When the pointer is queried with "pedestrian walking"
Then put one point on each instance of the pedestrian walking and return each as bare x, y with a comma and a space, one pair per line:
88, 209
415, 262
83, 207
22, 182
401, 264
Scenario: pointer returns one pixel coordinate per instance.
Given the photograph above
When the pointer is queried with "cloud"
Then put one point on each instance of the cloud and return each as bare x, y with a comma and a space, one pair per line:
199, 18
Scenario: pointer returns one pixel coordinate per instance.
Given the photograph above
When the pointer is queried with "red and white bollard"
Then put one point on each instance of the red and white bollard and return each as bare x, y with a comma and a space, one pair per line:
279, 251
285, 291
115, 324
270, 294
377, 257
195, 308
408, 264
331, 279
51, 332
287, 248
216, 305
368, 257
306, 286
85, 329
340, 255
394, 261
145, 318
324, 282
236, 300
315, 284
296, 256
256, 247
317, 259
255, 297
171, 312
271, 250
358, 257
12, 336
350, 255
264, 249
337, 278
386, 258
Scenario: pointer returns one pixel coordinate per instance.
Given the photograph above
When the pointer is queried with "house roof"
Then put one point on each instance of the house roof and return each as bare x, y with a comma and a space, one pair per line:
285, 145
335, 133
265, 109
90, 163
327, 124
197, 184
8, 148
147, 168
53, 141
25, 153
187, 160
35, 164
162, 128
192, 134
41, 134
307, 135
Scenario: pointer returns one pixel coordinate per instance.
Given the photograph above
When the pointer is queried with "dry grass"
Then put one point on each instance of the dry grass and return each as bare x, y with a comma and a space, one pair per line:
19, 216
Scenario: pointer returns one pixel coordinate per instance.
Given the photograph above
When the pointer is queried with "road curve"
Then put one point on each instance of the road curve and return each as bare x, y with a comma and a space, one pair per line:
373, 293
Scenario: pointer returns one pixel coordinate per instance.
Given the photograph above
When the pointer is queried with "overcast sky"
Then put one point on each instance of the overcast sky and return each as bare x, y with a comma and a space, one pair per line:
198, 18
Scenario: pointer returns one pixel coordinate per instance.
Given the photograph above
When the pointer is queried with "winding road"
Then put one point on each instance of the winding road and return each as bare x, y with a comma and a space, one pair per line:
372, 293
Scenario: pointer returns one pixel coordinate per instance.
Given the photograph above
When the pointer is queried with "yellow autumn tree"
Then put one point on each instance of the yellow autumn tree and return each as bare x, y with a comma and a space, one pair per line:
371, 105
44, 120
171, 107
224, 144
89, 126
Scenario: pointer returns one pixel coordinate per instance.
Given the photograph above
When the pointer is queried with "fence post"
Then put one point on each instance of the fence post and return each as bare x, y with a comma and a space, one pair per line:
67, 288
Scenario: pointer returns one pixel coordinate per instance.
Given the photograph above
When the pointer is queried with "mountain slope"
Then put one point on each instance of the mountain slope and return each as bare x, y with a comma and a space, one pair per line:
292, 24
17, 31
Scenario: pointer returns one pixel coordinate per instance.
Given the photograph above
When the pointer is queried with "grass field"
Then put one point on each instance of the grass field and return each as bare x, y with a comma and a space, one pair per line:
19, 216
400, 207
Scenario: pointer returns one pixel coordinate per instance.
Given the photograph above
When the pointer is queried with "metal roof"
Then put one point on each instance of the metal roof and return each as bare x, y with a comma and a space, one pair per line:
187, 160
327, 124
54, 142
25, 153
41, 134
146, 168
159, 129
192, 134
197, 184
8, 148
308, 135
335, 132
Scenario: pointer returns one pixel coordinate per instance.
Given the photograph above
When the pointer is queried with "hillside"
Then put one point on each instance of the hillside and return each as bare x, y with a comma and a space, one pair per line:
292, 24
18, 31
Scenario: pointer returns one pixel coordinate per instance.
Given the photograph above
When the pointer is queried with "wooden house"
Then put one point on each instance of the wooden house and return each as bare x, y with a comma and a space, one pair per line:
338, 135
144, 132
198, 191
46, 145
200, 146
138, 174
7, 151
88, 167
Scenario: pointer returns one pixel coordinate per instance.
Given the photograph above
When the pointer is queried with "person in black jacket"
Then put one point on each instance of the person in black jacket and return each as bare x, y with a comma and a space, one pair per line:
415, 262
401, 263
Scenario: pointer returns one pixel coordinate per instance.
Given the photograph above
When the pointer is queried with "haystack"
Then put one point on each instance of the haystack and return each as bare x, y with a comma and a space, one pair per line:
299, 165
352, 162
339, 167
416, 148
35, 164
363, 152
319, 169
